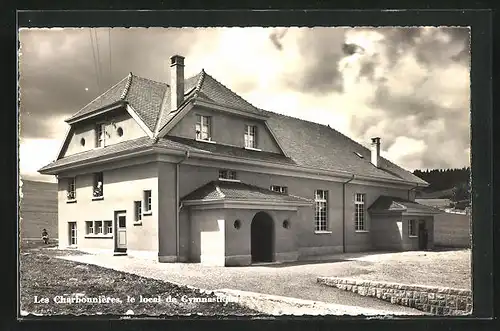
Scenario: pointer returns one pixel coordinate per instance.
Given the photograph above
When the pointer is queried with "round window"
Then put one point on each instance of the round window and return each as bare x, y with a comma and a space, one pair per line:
82, 141
119, 131
237, 224
286, 224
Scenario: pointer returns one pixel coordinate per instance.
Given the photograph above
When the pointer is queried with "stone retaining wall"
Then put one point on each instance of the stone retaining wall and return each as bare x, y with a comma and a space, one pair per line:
434, 300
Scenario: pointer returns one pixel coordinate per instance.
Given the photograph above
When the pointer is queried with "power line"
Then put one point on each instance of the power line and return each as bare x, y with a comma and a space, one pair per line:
95, 61
98, 55
109, 45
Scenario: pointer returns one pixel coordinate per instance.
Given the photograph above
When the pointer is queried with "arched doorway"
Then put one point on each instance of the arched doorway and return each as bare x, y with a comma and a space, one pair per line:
262, 238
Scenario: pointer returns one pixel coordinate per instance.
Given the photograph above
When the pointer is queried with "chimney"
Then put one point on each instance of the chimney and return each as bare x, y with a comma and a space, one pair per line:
176, 81
375, 151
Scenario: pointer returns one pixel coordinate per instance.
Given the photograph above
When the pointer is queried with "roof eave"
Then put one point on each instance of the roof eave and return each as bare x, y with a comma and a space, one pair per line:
387, 211
134, 152
292, 167
421, 212
249, 201
99, 111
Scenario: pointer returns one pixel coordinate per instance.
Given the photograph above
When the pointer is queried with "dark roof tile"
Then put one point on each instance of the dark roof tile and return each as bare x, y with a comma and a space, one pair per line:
146, 97
389, 203
193, 145
307, 144
234, 190
114, 94
222, 95
98, 152
318, 146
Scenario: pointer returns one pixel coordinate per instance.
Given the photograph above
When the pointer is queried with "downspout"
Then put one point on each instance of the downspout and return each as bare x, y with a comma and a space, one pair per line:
411, 189
178, 206
343, 212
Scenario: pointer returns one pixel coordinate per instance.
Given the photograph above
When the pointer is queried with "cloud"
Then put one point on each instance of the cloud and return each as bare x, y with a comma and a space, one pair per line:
321, 49
58, 75
276, 37
414, 82
408, 85
34, 154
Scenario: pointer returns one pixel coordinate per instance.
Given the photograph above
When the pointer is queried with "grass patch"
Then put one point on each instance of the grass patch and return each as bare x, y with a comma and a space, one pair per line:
42, 275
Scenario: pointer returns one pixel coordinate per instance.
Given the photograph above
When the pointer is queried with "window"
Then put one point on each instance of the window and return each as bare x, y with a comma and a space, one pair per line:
71, 193
137, 211
98, 185
108, 227
412, 228
99, 228
321, 210
359, 213
250, 136
147, 202
227, 174
280, 189
72, 233
203, 128
90, 227
100, 131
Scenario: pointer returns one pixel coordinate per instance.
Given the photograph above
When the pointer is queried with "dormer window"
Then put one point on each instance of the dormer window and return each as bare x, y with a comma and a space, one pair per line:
250, 136
227, 175
100, 135
203, 128
279, 189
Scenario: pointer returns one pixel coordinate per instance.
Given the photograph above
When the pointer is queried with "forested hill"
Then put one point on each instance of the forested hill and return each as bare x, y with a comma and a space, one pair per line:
446, 183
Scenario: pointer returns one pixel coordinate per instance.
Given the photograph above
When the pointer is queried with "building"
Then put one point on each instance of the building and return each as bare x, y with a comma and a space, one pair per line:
436, 203
190, 171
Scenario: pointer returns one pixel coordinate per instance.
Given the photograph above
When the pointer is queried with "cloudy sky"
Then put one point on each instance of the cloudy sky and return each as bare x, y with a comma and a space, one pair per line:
410, 86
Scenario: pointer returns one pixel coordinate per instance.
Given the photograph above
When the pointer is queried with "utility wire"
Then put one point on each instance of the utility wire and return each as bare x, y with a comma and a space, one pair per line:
98, 55
109, 46
95, 61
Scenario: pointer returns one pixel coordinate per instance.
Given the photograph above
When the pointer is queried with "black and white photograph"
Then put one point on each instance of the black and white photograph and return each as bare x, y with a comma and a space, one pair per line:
245, 171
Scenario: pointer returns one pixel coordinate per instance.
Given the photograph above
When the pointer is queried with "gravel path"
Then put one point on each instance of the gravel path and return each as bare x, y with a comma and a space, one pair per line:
297, 280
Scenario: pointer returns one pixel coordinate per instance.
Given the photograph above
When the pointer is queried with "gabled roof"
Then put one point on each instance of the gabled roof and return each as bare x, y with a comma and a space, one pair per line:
306, 144
151, 99
221, 190
144, 95
114, 94
318, 146
386, 203
220, 94
206, 88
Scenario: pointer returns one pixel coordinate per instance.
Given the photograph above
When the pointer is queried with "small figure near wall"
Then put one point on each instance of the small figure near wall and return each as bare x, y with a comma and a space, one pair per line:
45, 236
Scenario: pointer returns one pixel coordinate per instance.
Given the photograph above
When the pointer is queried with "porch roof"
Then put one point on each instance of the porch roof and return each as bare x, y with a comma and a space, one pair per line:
386, 203
237, 191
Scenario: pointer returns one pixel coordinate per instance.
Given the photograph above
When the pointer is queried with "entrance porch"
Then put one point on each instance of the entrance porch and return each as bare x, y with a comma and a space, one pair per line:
232, 223
399, 224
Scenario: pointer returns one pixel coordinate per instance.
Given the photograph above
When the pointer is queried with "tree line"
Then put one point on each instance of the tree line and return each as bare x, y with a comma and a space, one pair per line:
456, 180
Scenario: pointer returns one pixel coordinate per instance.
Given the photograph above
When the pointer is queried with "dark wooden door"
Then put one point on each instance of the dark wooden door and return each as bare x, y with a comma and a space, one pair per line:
422, 236
262, 238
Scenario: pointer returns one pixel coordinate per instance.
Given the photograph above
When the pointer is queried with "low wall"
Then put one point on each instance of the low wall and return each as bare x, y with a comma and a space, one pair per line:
452, 230
430, 299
